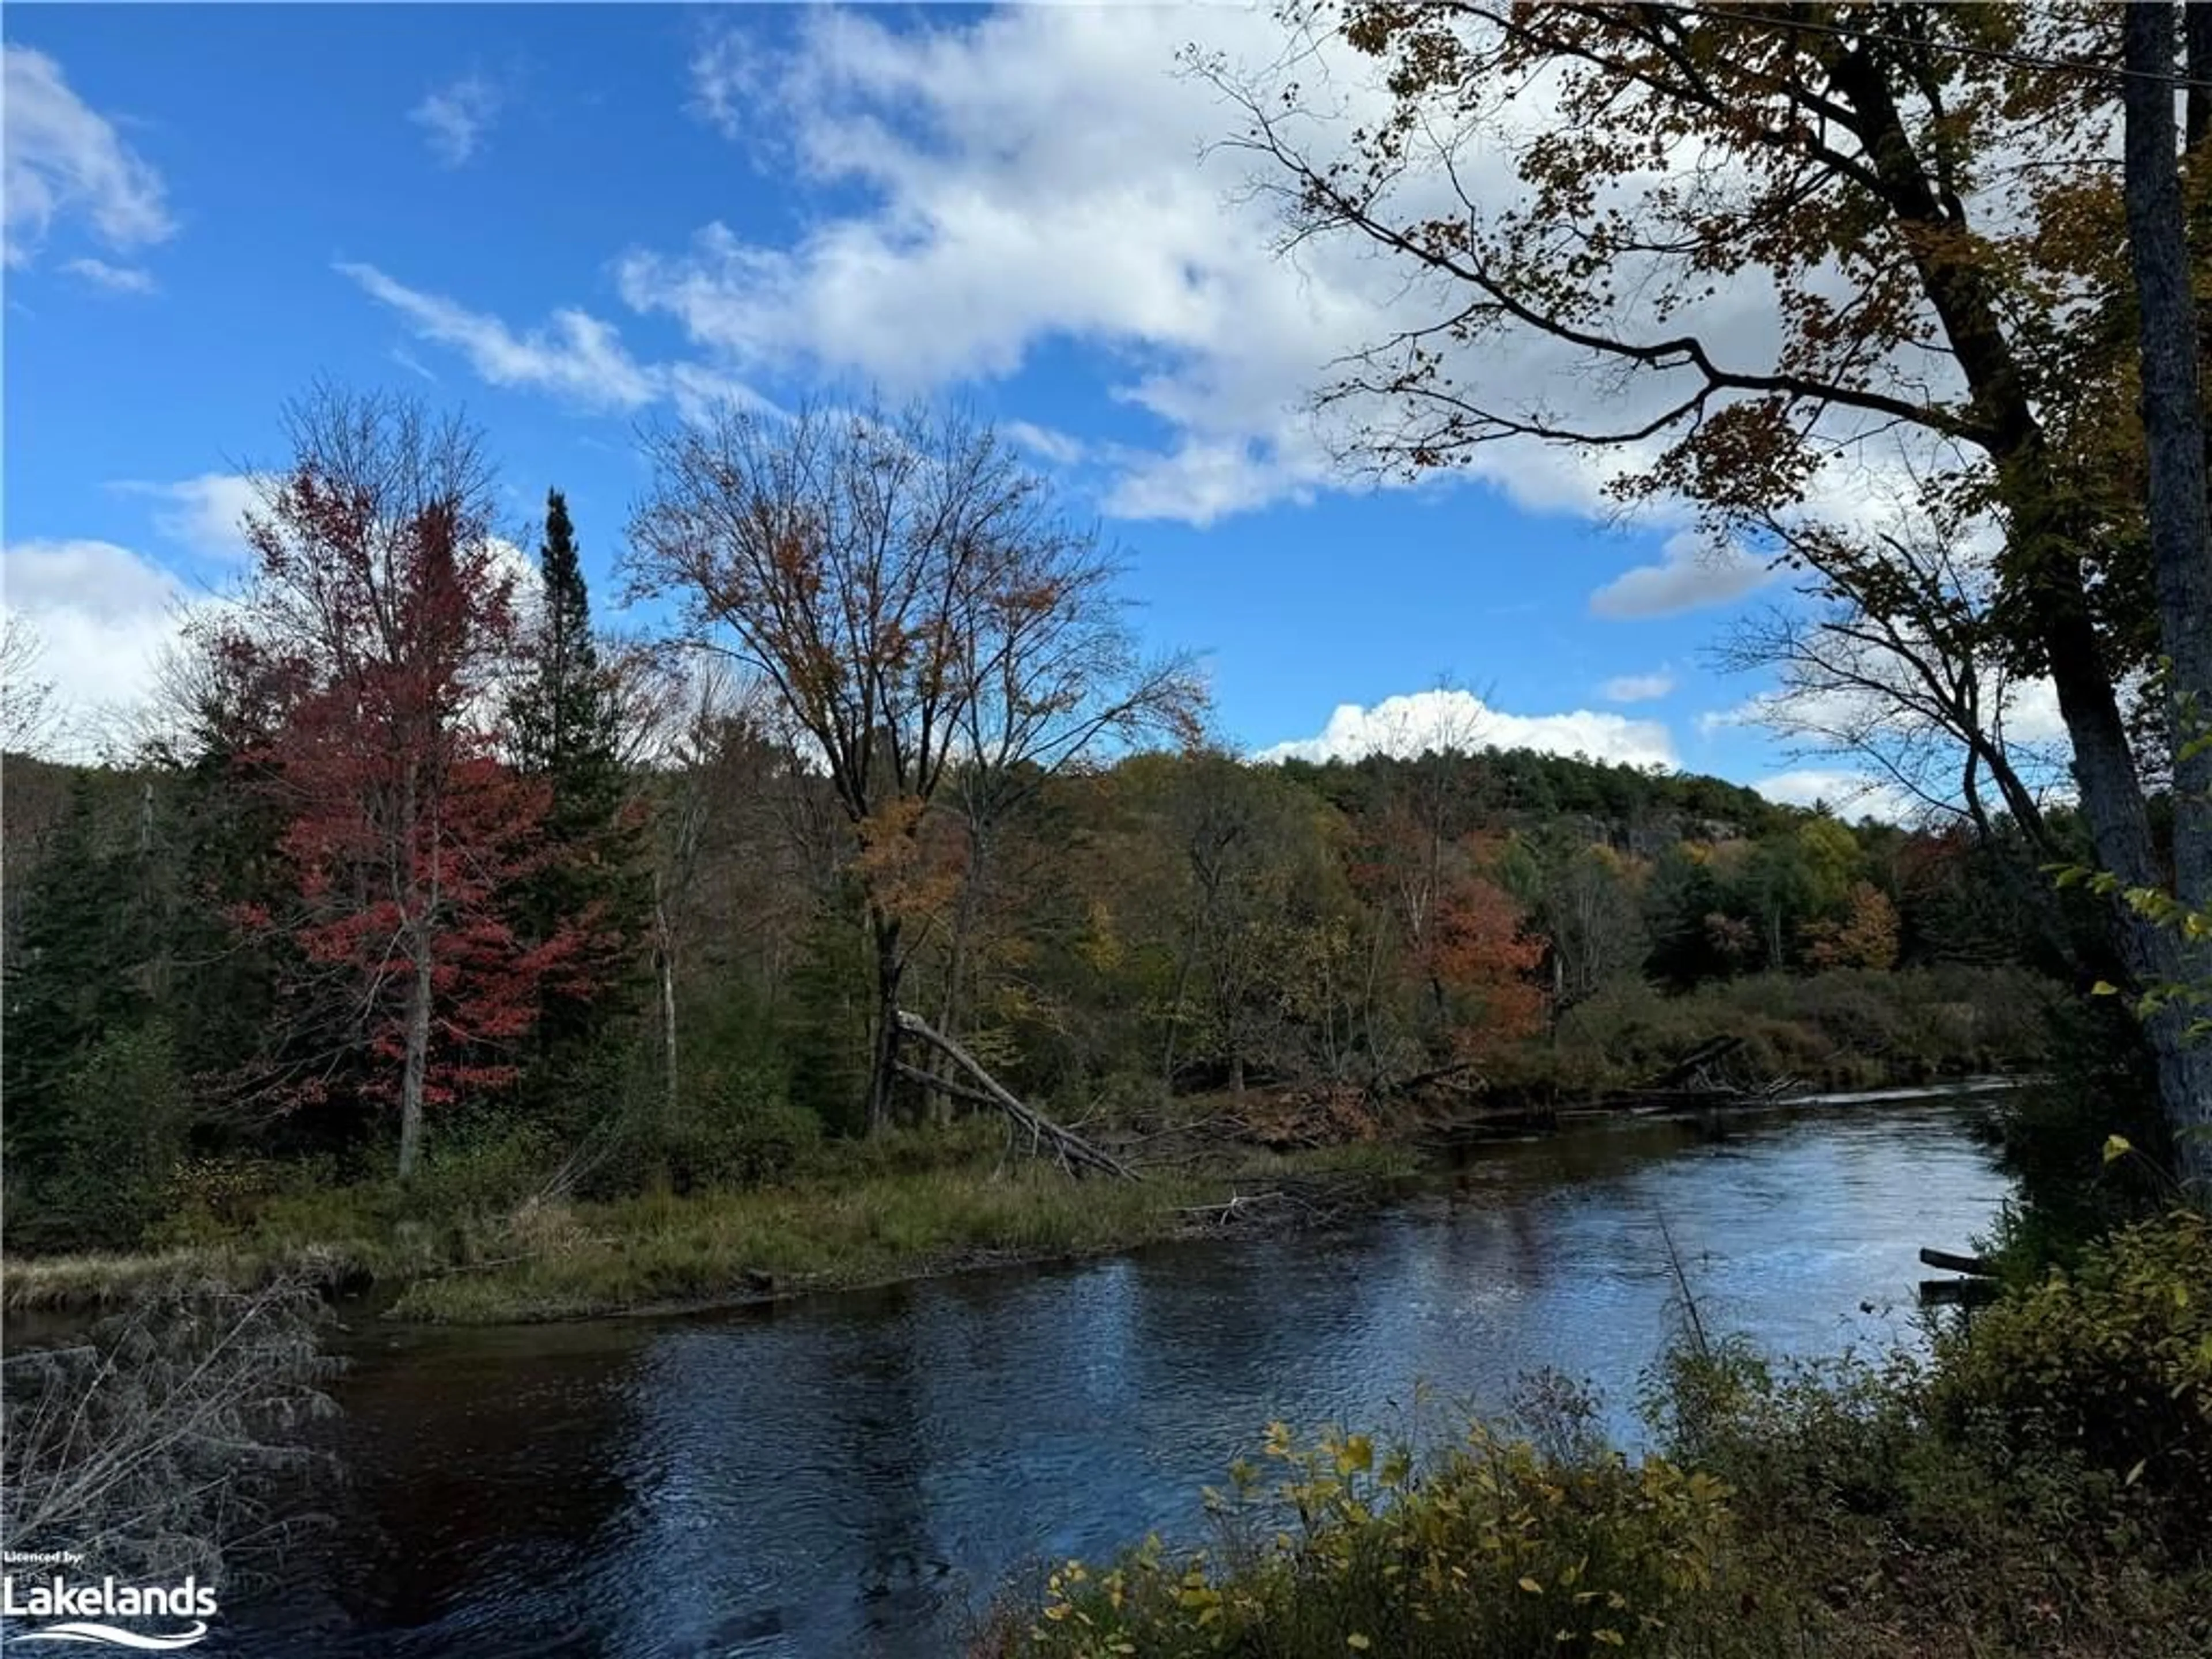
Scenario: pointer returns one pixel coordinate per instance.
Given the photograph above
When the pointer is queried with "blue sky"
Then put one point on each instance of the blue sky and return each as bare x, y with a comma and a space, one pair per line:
572, 220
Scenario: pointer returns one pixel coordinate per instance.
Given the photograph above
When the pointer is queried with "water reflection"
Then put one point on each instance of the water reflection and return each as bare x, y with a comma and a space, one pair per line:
843, 1476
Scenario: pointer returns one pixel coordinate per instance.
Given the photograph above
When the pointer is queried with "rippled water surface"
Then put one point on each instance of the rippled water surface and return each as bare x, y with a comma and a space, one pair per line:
847, 1476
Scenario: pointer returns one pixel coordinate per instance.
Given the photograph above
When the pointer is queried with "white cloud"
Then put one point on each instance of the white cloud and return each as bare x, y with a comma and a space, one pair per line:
726, 79
1851, 794
455, 118
1412, 724
1637, 688
103, 614
1048, 444
116, 279
1047, 174
1032, 176
578, 357
1691, 575
65, 160
204, 515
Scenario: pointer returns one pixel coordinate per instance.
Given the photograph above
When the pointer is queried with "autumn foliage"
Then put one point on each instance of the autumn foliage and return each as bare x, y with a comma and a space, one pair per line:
377, 621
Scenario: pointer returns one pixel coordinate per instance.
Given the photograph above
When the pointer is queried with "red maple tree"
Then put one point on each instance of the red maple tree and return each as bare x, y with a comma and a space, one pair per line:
379, 606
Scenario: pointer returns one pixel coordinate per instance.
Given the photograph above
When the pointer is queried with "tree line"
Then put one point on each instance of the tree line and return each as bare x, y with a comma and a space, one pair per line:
420, 847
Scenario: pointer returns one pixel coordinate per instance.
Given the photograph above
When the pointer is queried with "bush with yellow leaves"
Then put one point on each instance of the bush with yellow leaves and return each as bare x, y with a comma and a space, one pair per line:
1489, 1548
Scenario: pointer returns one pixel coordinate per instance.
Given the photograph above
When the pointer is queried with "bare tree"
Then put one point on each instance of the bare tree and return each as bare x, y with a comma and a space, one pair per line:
916, 602
1898, 662
28, 716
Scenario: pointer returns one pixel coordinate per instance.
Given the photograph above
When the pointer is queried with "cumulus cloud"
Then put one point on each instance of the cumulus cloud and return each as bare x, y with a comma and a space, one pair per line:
1413, 724
456, 118
65, 160
1046, 174
1637, 688
1690, 576
103, 614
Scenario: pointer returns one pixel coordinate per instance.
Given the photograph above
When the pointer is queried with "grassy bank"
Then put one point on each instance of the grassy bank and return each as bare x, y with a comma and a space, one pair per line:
2037, 1487
881, 1214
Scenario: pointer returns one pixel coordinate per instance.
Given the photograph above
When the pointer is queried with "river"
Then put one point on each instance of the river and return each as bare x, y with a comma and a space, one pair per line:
848, 1475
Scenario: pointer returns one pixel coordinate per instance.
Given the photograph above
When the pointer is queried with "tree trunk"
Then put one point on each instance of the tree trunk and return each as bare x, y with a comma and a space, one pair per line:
883, 1071
2180, 539
416, 1069
664, 967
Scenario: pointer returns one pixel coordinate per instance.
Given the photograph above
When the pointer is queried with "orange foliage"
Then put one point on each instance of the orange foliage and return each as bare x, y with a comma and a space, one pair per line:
1479, 953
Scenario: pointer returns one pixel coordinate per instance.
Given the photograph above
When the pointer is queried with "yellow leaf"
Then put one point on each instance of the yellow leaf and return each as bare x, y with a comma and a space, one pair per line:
2116, 1146
1358, 1641
2103, 987
1532, 1587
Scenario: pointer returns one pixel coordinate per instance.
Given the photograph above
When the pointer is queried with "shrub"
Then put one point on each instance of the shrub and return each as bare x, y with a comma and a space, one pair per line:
2111, 1364
172, 1434
125, 1118
752, 1139
480, 1164
1492, 1549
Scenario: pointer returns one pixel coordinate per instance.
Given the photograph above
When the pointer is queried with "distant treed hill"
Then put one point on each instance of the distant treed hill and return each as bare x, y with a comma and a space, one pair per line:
1638, 809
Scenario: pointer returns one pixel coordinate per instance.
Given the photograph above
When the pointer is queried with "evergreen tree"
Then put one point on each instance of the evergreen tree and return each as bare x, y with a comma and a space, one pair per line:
73, 985
565, 719
566, 726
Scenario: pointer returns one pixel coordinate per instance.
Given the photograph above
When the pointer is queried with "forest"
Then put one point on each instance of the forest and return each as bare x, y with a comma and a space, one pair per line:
425, 870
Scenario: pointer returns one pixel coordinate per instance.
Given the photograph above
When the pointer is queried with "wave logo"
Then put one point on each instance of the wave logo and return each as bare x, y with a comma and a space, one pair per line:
84, 1610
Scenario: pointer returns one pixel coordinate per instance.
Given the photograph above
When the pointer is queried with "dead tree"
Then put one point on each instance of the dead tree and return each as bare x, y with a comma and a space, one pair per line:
1074, 1153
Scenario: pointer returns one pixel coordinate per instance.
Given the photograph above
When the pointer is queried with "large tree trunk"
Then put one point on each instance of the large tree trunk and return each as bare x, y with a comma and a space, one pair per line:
2181, 542
415, 1071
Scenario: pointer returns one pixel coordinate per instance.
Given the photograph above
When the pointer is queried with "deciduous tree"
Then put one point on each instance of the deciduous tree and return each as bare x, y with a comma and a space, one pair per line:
379, 613
917, 603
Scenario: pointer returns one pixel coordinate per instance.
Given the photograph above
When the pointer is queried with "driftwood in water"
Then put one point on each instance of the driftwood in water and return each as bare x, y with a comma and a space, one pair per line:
1976, 1266
1071, 1149
1958, 1292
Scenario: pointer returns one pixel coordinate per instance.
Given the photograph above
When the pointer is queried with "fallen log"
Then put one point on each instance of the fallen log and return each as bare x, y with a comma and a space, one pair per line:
1976, 1266
1384, 1088
1686, 1068
1957, 1292
1071, 1149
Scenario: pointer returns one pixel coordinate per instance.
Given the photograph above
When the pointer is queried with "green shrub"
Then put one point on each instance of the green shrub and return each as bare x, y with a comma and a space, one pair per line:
2111, 1364
747, 1136
211, 1201
123, 1117
480, 1164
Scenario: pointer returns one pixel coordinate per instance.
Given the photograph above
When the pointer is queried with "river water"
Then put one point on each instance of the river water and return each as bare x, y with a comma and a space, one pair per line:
849, 1475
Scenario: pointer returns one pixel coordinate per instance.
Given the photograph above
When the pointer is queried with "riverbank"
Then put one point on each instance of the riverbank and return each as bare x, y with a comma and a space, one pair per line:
475, 1243
544, 1261
2034, 1485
